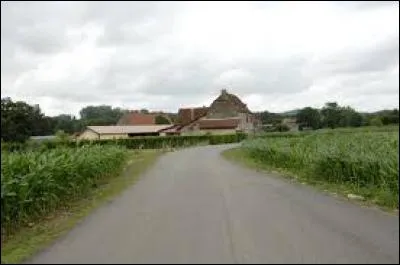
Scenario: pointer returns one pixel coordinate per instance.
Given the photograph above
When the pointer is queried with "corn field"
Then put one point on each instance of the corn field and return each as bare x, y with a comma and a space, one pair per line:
366, 162
36, 183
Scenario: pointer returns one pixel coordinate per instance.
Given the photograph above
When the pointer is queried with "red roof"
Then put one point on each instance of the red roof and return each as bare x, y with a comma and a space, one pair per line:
186, 115
219, 123
135, 118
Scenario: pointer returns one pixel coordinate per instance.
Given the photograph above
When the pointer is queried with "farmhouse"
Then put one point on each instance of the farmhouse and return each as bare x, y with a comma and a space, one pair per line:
226, 114
124, 131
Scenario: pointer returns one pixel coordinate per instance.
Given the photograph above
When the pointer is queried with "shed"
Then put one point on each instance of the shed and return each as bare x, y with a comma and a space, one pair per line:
115, 132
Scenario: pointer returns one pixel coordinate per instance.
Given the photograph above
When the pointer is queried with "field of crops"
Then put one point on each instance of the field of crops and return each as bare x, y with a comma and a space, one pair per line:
365, 162
35, 183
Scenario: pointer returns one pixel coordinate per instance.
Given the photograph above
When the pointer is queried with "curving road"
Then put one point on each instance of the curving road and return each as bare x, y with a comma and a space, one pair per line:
195, 207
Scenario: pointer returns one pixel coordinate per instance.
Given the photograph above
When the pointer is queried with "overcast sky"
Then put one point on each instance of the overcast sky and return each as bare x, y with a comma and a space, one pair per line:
276, 56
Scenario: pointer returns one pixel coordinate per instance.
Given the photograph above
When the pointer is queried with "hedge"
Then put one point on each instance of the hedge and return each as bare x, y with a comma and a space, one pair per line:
155, 142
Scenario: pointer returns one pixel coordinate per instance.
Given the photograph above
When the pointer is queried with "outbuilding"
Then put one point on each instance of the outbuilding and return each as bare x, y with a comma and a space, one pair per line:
117, 132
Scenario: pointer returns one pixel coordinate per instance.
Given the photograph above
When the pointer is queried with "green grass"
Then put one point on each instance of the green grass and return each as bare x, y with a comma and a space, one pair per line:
29, 240
361, 163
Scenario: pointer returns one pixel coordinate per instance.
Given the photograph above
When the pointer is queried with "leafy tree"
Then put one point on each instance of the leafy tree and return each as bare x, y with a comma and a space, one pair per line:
350, 118
100, 115
160, 119
309, 117
331, 115
269, 117
19, 120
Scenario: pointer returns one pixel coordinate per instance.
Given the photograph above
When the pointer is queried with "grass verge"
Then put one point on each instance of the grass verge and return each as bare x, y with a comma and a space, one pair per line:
340, 191
30, 240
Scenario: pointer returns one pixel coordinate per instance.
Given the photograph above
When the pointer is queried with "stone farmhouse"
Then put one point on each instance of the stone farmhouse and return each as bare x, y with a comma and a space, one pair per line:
226, 114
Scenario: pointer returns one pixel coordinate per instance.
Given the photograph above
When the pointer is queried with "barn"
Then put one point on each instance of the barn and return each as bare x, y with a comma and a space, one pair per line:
116, 132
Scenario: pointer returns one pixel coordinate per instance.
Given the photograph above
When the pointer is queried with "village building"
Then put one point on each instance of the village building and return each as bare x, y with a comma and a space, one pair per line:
138, 118
121, 131
226, 114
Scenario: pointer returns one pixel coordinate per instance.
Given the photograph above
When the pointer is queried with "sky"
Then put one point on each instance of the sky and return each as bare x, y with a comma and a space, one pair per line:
275, 56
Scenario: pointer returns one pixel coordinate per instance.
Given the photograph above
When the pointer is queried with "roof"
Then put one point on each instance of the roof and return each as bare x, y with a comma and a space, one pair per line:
136, 118
232, 99
186, 115
44, 137
219, 123
128, 129
172, 129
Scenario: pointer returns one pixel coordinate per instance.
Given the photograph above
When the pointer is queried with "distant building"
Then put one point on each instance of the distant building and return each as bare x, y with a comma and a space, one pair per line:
137, 118
226, 114
117, 132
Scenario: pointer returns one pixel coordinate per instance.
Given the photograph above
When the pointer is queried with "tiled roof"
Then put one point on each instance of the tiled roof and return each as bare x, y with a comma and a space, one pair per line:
136, 118
128, 129
186, 115
219, 123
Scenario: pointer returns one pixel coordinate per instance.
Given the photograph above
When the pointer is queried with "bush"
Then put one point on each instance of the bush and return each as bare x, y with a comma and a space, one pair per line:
155, 142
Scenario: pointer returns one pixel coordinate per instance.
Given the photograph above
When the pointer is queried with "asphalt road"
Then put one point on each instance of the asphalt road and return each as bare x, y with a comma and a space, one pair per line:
195, 207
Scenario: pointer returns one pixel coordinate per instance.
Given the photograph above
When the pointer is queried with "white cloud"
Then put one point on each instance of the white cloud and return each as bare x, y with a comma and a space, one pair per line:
275, 55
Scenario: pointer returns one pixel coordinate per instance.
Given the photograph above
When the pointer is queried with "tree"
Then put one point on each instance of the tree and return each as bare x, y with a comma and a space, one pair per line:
269, 117
309, 117
350, 117
331, 115
160, 119
19, 120
100, 115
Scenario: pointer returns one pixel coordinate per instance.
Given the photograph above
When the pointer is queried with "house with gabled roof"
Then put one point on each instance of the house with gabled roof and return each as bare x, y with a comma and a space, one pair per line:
226, 114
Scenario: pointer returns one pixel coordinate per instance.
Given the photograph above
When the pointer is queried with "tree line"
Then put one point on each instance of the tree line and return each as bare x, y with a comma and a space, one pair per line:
332, 115
19, 120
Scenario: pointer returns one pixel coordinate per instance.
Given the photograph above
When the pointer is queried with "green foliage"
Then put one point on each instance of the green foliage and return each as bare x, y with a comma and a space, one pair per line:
309, 117
282, 128
331, 115
18, 120
62, 137
160, 119
226, 138
35, 183
365, 161
151, 142
269, 117
376, 121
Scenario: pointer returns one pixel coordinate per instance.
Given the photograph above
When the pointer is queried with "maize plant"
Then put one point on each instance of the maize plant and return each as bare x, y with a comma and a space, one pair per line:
36, 183
366, 161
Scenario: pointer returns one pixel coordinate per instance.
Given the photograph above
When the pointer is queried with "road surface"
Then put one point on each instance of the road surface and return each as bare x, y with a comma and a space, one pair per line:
193, 206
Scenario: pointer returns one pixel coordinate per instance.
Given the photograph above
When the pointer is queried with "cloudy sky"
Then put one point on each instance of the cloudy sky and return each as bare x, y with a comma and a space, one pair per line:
276, 56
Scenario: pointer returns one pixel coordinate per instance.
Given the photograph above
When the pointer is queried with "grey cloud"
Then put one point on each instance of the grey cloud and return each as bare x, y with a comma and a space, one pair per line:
38, 27
378, 58
150, 67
